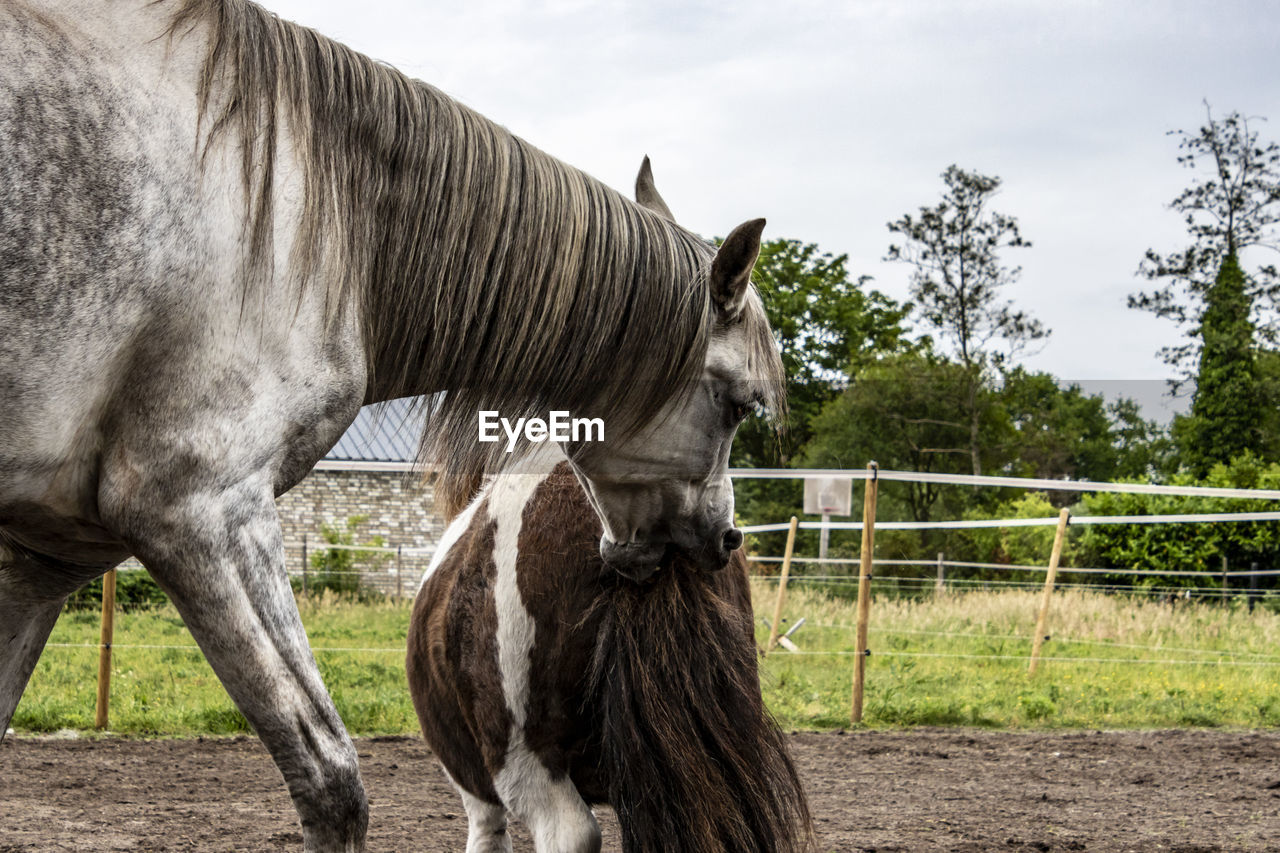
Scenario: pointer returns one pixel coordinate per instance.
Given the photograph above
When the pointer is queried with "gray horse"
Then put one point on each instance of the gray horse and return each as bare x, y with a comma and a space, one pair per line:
220, 235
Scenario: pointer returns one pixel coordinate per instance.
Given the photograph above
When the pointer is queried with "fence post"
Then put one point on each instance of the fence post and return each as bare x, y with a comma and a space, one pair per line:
941, 586
1253, 584
1038, 640
1225, 579
399, 567
104, 649
304, 565
864, 588
782, 585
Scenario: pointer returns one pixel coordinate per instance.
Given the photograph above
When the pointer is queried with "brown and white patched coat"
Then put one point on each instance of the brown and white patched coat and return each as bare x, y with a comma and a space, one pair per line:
545, 681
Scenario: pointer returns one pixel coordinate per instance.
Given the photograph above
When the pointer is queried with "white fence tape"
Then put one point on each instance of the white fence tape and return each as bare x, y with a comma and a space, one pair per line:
1008, 482
973, 523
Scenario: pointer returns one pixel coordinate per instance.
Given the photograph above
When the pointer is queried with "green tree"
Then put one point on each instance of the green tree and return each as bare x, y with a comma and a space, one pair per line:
1019, 546
827, 323
909, 413
955, 250
1144, 448
1062, 432
1225, 410
1234, 205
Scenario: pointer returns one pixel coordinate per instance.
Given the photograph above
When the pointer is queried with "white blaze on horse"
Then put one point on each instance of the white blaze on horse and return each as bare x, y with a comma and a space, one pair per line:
546, 681
220, 235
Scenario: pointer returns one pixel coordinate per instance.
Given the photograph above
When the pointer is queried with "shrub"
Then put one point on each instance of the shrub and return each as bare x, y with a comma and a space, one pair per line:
134, 589
339, 569
1186, 547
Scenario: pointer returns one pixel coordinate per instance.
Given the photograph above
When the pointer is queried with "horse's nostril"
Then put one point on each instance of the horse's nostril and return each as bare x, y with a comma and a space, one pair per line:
732, 539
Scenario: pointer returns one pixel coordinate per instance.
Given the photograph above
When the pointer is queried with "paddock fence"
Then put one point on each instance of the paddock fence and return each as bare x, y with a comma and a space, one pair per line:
394, 572
872, 476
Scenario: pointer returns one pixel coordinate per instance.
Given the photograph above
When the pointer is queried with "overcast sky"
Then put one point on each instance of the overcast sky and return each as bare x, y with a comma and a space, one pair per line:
832, 118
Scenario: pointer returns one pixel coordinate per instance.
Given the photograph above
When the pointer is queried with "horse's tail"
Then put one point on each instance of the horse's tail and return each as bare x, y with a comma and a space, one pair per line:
693, 761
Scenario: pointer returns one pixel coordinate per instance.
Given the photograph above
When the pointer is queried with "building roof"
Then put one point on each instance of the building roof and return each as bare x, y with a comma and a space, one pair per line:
382, 433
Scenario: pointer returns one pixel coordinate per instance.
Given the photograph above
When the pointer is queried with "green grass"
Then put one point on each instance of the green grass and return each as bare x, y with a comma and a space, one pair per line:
914, 675
962, 660
173, 691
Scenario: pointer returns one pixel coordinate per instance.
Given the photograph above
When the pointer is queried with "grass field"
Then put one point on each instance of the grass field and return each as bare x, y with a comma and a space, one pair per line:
1113, 662
959, 659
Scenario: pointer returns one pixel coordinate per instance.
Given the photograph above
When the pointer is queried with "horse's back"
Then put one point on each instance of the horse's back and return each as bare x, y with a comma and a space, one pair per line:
99, 177
93, 188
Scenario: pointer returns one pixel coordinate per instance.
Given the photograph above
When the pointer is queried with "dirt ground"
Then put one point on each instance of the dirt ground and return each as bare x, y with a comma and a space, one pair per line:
921, 790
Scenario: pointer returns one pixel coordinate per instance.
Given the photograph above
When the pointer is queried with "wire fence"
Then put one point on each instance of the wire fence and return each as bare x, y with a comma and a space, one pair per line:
401, 579
395, 571
1229, 586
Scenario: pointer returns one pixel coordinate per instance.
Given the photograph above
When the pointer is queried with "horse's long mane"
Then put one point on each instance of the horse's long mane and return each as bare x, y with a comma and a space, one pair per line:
478, 263
695, 762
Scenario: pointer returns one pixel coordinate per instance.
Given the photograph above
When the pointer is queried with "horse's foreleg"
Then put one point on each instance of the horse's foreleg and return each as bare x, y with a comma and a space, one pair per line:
24, 631
220, 557
557, 817
25, 623
32, 591
486, 825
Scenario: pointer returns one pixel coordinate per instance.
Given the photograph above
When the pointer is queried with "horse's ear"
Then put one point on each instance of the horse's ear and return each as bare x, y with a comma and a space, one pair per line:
647, 193
731, 269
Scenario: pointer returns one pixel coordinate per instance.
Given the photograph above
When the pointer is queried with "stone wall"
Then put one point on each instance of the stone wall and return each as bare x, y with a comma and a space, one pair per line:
398, 508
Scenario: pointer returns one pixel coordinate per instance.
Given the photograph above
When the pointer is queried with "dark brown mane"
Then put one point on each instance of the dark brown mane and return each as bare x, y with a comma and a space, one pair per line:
695, 762
680, 745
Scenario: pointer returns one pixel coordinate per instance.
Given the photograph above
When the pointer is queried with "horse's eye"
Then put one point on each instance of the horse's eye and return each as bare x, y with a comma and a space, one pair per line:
741, 410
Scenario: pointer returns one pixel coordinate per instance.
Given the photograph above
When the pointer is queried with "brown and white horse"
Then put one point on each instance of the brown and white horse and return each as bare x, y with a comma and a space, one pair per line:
546, 681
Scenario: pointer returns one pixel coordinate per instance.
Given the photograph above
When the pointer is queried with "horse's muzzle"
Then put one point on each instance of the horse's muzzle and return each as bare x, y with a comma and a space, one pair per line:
714, 552
638, 561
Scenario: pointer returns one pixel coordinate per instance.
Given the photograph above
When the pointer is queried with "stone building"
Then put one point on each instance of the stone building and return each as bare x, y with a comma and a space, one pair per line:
369, 474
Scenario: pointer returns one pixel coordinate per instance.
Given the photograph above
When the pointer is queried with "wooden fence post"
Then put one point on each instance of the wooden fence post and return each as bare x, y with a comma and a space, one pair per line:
1038, 640
104, 649
941, 585
1253, 585
864, 588
782, 585
304, 565
399, 570
1226, 579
